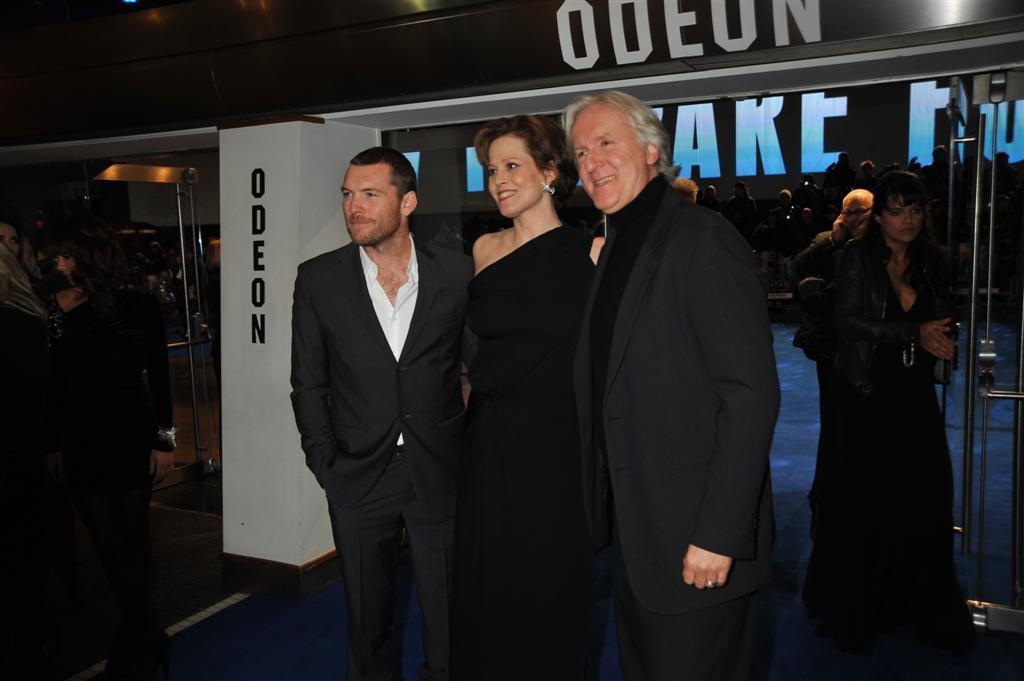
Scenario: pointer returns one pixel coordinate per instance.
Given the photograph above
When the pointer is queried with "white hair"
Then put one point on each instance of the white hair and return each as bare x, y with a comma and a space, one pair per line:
641, 118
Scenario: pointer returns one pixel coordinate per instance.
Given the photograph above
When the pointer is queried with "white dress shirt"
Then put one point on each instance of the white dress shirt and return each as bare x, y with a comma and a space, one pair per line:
394, 319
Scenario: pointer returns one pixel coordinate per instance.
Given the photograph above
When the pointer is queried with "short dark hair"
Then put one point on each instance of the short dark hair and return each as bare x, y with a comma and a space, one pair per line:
403, 177
900, 188
544, 140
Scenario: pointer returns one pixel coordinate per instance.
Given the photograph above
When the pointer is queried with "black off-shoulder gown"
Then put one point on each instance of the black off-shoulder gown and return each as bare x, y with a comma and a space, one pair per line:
523, 553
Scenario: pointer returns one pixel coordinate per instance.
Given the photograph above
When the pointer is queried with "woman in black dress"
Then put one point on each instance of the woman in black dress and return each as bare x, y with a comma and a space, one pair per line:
883, 552
112, 405
523, 553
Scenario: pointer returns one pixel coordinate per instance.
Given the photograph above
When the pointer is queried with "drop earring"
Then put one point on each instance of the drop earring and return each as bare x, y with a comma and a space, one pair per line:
548, 189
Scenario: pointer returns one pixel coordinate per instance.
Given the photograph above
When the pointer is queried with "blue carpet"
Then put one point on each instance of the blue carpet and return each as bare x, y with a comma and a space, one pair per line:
272, 639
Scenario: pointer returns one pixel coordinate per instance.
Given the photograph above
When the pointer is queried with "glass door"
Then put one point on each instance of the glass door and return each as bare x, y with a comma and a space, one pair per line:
984, 227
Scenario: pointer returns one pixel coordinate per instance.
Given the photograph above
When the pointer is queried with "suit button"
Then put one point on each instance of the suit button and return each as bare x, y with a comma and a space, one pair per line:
406, 416
402, 369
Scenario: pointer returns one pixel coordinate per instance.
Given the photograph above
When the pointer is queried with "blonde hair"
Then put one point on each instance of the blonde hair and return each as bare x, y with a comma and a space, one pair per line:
27, 257
687, 187
15, 291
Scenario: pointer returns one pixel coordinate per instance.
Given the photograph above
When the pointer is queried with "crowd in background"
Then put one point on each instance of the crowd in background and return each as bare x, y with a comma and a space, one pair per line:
781, 227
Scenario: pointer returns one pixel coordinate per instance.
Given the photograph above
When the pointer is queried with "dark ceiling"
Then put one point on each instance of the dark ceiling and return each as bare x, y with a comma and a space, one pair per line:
110, 69
18, 15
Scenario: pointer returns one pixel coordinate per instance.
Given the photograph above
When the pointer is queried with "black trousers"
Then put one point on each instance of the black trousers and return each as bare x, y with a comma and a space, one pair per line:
118, 522
712, 644
367, 536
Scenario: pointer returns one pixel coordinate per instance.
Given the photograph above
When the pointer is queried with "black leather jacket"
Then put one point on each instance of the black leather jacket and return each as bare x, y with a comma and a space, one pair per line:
813, 271
861, 284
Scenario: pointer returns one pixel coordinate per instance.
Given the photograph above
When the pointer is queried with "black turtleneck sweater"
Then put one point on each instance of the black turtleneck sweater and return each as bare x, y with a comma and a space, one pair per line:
631, 225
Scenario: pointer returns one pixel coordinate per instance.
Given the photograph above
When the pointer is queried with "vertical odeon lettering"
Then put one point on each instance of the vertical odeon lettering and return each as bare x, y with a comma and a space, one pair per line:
259, 292
259, 219
258, 288
259, 180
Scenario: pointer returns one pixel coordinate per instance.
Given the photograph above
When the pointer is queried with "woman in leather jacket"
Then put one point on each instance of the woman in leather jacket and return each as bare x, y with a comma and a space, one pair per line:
884, 534
864, 275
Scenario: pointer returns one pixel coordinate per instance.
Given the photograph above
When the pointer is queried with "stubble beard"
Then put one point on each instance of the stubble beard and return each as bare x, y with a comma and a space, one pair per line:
378, 234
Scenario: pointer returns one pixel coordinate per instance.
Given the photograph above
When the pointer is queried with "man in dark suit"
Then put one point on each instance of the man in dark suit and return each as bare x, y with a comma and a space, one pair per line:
678, 394
377, 327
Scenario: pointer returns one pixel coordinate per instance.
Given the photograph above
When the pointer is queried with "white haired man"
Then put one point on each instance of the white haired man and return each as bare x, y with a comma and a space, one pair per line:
677, 394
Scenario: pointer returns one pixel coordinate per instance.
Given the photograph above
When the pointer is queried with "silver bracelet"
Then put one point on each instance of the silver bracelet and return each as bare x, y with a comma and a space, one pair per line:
166, 436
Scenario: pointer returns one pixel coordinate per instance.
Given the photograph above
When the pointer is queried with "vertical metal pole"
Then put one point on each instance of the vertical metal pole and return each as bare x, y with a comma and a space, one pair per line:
202, 281
951, 254
203, 274
986, 403
954, 120
188, 327
196, 249
981, 501
970, 377
991, 225
86, 194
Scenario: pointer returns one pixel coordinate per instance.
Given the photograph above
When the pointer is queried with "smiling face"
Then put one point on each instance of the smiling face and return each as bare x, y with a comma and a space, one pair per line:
614, 166
9, 238
513, 178
900, 224
374, 212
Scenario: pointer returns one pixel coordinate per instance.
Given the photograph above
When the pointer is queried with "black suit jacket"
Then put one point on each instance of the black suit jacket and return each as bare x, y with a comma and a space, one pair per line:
351, 397
690, 405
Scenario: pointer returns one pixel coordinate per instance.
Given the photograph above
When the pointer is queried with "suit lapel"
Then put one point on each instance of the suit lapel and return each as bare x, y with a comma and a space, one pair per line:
636, 285
358, 296
429, 285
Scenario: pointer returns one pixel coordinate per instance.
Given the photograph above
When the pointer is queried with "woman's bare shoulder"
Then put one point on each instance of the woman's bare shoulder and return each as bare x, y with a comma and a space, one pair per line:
489, 248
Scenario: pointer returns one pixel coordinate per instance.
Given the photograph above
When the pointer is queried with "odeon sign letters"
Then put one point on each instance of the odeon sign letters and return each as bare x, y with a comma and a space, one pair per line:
806, 15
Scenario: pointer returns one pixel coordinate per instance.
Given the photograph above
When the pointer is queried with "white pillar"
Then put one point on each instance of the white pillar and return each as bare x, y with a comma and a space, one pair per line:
280, 186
